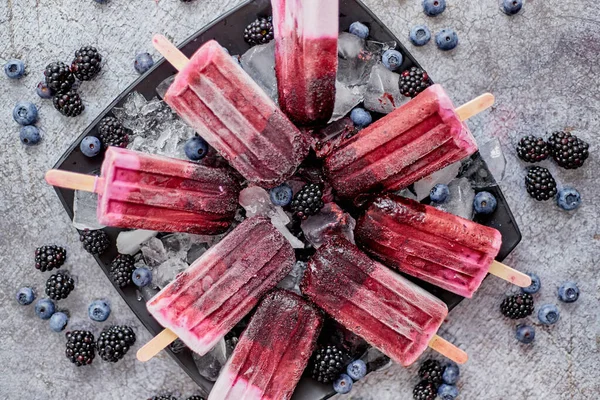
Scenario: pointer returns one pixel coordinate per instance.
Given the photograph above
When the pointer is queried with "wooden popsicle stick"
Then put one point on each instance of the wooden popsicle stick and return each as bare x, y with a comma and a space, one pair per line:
153, 347
448, 350
170, 52
475, 106
72, 180
509, 274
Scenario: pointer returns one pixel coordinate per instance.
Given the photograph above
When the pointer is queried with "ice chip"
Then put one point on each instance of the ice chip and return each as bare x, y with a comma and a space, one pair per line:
195, 252
256, 201
168, 270
84, 211
354, 60
383, 93
211, 363
443, 176
461, 198
129, 242
330, 221
259, 63
162, 87
154, 252
294, 241
493, 155
292, 281
346, 98
349, 45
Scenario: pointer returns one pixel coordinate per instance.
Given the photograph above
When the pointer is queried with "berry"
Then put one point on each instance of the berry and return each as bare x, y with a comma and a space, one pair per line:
14, 69
94, 242
30, 135
90, 146
141, 277
114, 342
535, 286
44, 308
540, 183
511, 7
48, 258
413, 81
101, 1
446, 39
87, 63
112, 133
143, 62
568, 292
121, 269
281, 195
533, 149
164, 397
484, 203
59, 77
59, 285
44, 91
568, 199
59, 321
357, 369
361, 117
451, 373
419, 35
568, 150
525, 333
25, 296
424, 390
343, 384
308, 201
327, 363
548, 314
439, 193
392, 59
80, 347
99, 310
434, 7
517, 306
259, 32
447, 392
25, 113
431, 371
68, 103
196, 148
196, 398
359, 29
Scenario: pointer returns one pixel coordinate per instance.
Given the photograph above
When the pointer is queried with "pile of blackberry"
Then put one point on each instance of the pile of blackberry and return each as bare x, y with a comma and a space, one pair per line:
121, 269
94, 242
114, 342
50, 257
112, 133
517, 306
260, 31
80, 347
327, 363
413, 81
59, 285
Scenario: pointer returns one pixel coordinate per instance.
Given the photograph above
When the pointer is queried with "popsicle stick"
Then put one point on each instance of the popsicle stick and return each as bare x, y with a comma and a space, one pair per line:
72, 180
153, 347
448, 350
508, 274
475, 106
170, 52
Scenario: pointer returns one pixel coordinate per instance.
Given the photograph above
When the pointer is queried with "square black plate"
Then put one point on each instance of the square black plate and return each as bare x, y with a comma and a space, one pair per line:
227, 31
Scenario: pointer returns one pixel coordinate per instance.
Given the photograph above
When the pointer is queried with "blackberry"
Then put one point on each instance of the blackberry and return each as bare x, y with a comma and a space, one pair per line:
59, 285
59, 77
80, 347
327, 363
568, 150
121, 269
259, 31
413, 81
114, 342
308, 201
68, 103
540, 183
164, 397
112, 133
517, 306
195, 398
533, 149
48, 258
432, 371
424, 390
87, 63
94, 242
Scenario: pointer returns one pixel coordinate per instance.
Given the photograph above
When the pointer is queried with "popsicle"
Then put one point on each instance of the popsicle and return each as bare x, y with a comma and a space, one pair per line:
214, 95
306, 58
143, 191
268, 361
203, 303
389, 312
420, 137
440, 248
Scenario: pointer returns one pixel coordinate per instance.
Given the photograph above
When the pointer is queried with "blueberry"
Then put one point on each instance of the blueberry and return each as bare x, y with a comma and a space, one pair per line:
143, 62
568, 292
512, 7
535, 286
90, 146
99, 310
44, 308
30, 135
359, 29
446, 39
439, 193
58, 321
361, 117
196, 148
14, 69
484, 203
568, 199
419, 35
141, 277
548, 314
25, 296
343, 384
281, 195
434, 7
44, 91
447, 392
101, 1
25, 113
392, 59
357, 369
451, 373
525, 333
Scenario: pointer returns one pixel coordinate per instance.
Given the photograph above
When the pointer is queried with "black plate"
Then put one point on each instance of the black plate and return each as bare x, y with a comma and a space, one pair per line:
227, 30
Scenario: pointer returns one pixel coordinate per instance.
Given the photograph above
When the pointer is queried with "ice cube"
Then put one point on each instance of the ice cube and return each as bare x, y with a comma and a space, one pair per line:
85, 205
168, 270
129, 242
331, 137
256, 201
376, 360
294, 241
293, 279
493, 155
195, 252
259, 63
346, 98
444, 176
330, 221
461, 198
383, 93
177, 243
210, 364
349, 45
162, 87
149, 292
378, 48
154, 252
354, 60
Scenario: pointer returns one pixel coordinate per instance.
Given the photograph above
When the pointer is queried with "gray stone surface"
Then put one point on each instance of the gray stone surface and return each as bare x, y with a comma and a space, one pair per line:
541, 65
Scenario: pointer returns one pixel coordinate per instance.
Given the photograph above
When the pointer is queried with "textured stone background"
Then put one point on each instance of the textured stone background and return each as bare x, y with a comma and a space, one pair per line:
543, 67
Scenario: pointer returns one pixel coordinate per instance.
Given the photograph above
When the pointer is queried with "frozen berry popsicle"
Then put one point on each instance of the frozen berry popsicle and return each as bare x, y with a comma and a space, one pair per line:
142, 191
306, 59
268, 361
